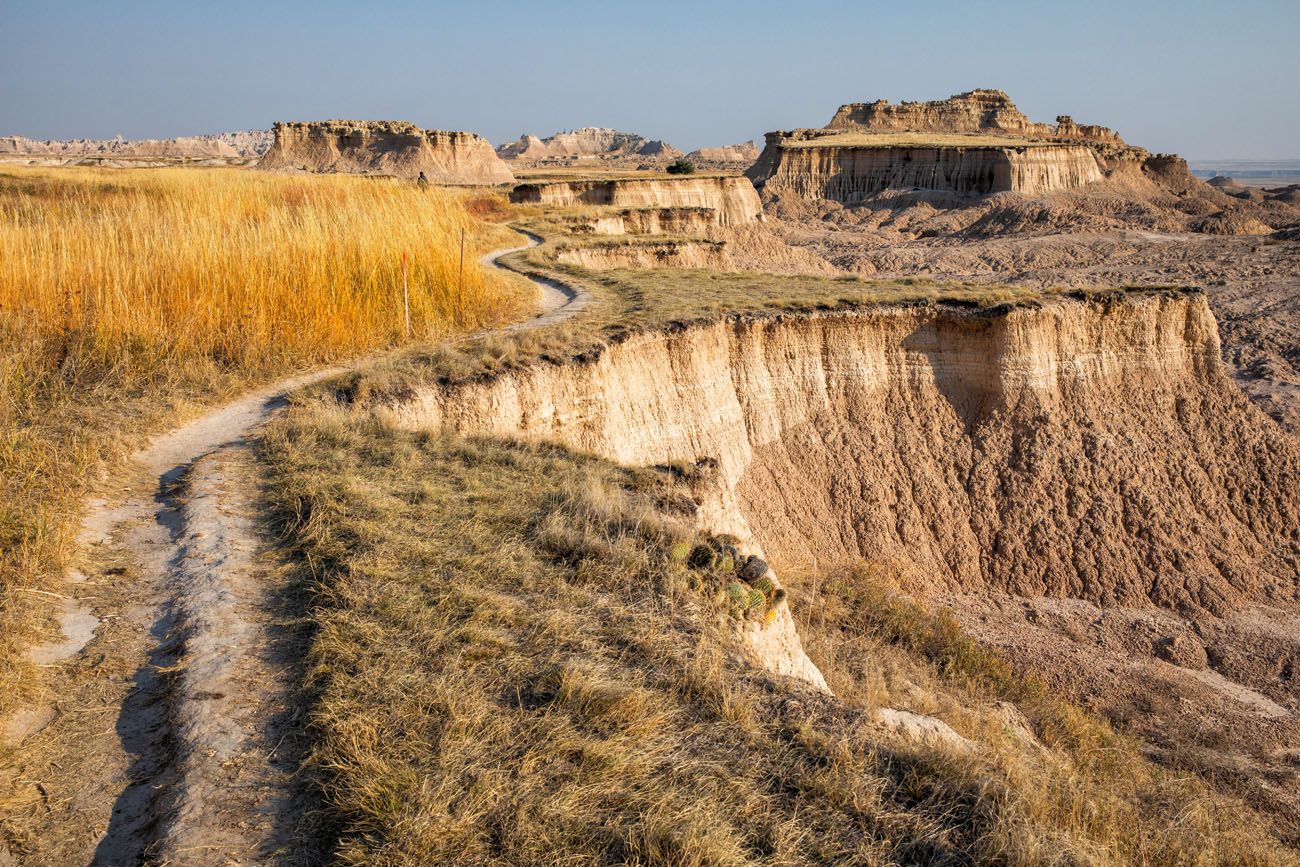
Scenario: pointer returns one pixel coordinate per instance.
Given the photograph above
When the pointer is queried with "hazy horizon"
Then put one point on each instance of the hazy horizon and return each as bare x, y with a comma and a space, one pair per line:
1207, 80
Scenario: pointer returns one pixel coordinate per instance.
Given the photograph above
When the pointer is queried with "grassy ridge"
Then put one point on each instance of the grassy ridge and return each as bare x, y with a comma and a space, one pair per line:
128, 298
512, 667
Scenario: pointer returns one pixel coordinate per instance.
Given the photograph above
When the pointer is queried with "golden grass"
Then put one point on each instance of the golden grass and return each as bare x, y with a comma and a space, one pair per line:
129, 297
512, 666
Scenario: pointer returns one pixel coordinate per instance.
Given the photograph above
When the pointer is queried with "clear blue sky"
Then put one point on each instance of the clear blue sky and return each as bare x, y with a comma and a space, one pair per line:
1204, 78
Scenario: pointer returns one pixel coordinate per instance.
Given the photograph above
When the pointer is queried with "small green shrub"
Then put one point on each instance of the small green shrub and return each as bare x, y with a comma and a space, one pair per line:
682, 167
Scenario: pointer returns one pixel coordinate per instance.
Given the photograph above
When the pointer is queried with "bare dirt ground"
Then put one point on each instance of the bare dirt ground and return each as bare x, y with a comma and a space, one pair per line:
177, 731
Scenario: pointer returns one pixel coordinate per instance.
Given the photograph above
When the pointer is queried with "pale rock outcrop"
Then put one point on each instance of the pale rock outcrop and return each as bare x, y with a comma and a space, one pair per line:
851, 173
226, 145
588, 142
734, 200
1006, 449
646, 221
988, 111
973, 143
385, 148
711, 255
731, 156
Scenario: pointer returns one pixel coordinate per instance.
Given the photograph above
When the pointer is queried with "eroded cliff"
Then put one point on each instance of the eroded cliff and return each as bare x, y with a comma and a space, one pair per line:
1081, 448
732, 200
387, 148
848, 171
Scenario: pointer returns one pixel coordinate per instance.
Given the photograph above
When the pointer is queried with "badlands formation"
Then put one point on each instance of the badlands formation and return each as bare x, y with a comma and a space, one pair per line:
385, 148
589, 144
227, 147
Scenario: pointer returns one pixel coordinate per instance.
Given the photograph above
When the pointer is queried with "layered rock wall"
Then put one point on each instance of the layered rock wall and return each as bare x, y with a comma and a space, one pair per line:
733, 200
386, 148
849, 174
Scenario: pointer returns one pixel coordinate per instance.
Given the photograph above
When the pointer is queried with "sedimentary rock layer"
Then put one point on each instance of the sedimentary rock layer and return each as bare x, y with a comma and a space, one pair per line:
1092, 449
646, 221
387, 148
849, 174
973, 111
734, 200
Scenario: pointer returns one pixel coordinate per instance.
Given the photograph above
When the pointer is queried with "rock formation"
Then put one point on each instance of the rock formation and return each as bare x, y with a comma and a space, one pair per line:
729, 157
850, 173
226, 145
587, 143
1005, 449
989, 111
973, 143
385, 148
733, 200
916, 435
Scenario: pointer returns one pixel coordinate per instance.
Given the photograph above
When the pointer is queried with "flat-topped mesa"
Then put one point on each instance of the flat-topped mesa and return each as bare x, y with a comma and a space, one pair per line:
976, 111
592, 142
385, 148
974, 143
732, 200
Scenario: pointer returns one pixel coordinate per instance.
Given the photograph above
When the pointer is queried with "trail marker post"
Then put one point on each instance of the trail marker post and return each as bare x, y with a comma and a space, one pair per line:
406, 297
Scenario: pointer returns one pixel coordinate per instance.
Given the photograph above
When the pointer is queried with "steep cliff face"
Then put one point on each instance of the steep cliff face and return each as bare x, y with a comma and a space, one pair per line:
597, 142
1092, 449
385, 147
733, 200
822, 169
973, 111
647, 221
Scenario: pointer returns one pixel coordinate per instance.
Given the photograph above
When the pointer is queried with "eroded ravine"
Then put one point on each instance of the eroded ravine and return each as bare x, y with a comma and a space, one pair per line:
1090, 451
180, 636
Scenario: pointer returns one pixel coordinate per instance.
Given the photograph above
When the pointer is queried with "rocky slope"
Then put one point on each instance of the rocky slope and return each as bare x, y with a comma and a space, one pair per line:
385, 147
1083, 449
587, 143
733, 201
226, 145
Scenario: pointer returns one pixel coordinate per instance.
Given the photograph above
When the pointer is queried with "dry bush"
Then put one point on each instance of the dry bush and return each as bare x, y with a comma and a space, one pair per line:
128, 298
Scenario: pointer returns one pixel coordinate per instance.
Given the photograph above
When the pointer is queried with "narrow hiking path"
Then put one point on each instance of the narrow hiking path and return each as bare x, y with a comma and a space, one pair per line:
176, 735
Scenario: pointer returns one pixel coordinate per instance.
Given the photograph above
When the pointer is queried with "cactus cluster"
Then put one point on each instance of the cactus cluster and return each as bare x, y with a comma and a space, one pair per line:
740, 582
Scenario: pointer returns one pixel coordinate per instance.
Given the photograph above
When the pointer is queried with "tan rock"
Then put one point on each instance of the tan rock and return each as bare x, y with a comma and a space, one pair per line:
385, 148
734, 200
973, 111
588, 142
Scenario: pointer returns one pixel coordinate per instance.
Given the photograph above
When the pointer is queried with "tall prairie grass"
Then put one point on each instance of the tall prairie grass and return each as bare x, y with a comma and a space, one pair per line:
127, 297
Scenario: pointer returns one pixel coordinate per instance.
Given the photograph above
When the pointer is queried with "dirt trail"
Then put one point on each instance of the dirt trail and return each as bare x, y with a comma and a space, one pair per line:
178, 623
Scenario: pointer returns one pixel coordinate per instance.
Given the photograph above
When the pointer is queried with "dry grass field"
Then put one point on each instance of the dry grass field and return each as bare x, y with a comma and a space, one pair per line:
129, 298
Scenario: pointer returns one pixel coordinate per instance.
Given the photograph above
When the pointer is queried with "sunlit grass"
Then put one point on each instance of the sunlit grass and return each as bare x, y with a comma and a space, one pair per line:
130, 297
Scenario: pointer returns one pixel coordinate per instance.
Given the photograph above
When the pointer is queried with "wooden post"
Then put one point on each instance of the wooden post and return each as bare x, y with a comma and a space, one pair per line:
406, 298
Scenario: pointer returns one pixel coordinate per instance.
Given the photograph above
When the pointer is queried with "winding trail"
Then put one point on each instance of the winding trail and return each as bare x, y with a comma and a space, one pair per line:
200, 764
